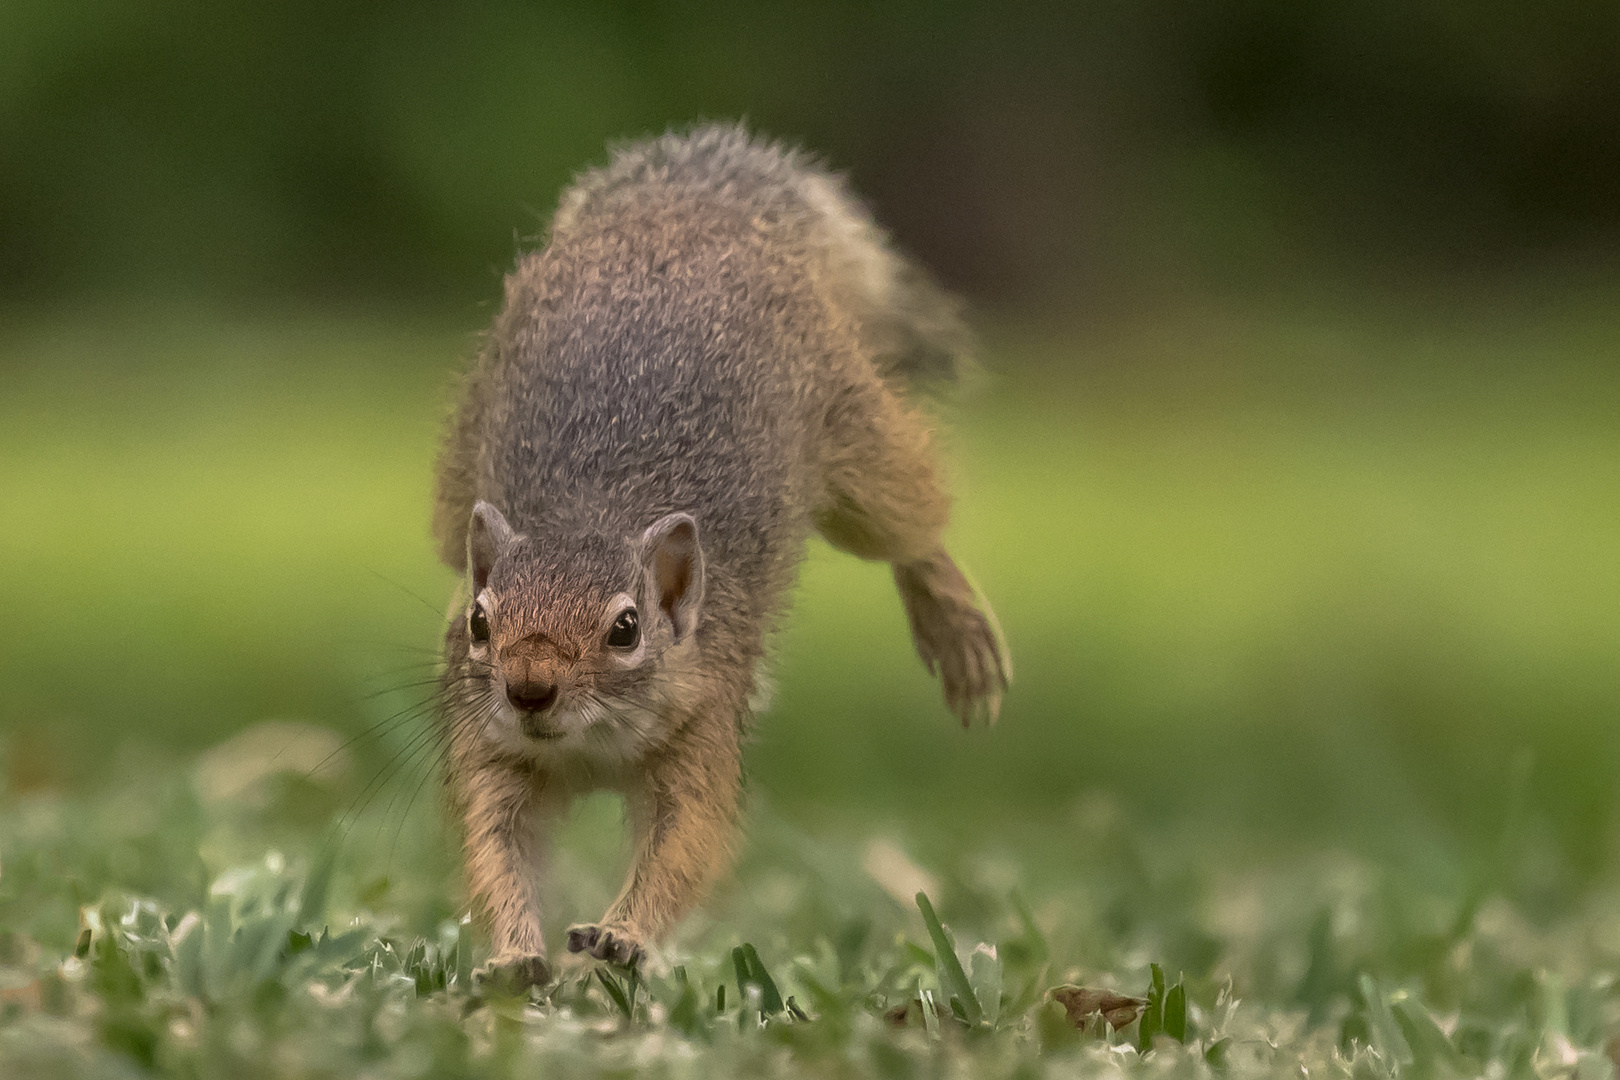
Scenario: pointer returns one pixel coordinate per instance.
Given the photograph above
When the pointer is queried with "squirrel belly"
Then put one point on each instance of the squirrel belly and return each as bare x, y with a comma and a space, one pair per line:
711, 357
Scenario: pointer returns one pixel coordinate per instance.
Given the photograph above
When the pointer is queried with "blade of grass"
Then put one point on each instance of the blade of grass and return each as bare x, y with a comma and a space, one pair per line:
986, 976
739, 965
954, 978
312, 900
1152, 1021
1175, 1012
614, 991
1431, 1049
929, 1014
1382, 1028
770, 999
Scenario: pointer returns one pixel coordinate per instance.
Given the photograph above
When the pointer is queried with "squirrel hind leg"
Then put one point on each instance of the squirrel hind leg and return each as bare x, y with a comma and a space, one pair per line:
886, 503
956, 635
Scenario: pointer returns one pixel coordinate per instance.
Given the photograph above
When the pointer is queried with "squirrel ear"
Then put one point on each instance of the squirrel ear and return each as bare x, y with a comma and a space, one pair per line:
487, 536
674, 563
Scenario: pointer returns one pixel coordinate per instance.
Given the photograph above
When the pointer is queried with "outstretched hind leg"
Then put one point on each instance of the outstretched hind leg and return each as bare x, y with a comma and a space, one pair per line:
886, 503
956, 635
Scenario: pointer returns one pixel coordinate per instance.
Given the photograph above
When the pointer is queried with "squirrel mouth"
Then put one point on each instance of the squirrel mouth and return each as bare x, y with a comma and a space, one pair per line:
533, 727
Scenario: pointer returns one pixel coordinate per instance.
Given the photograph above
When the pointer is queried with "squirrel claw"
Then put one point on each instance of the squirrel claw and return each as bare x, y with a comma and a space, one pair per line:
511, 975
613, 944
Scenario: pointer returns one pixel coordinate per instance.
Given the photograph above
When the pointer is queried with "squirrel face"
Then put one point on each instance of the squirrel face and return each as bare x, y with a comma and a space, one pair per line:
572, 653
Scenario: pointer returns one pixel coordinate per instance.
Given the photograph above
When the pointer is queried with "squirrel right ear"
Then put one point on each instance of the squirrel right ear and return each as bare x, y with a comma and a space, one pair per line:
487, 536
674, 566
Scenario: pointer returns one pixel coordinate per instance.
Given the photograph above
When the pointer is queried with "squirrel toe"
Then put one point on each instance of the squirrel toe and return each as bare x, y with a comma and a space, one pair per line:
609, 943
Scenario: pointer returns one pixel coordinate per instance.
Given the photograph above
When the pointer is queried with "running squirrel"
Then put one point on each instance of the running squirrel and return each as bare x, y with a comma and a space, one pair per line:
709, 359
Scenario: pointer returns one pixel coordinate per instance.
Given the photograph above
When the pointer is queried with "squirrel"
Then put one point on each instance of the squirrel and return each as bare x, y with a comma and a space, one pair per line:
710, 359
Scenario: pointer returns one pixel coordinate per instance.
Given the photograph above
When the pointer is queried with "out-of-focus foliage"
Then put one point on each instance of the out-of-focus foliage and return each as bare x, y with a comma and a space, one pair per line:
347, 150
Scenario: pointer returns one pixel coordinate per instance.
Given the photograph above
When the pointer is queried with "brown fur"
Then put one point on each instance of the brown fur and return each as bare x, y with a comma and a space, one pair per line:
706, 362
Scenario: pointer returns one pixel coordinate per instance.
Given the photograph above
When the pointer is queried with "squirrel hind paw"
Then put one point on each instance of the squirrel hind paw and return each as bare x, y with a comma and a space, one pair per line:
610, 943
974, 674
956, 637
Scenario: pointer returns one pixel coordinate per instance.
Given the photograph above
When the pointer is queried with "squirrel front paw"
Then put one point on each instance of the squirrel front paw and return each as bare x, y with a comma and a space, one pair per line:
612, 942
512, 975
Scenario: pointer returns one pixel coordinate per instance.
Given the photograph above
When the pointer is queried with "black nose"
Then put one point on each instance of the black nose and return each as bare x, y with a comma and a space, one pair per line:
532, 696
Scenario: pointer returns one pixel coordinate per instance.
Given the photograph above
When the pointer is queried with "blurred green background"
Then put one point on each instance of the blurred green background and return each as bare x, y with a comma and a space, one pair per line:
1294, 479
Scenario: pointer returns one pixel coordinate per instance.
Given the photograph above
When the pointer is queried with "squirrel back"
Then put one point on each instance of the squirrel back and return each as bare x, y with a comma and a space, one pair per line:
909, 327
676, 345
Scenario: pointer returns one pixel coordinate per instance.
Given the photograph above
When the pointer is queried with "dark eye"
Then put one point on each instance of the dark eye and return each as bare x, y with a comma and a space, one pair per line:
478, 623
626, 630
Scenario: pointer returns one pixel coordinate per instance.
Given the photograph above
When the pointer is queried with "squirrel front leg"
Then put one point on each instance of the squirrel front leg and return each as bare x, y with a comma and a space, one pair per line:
684, 817
502, 861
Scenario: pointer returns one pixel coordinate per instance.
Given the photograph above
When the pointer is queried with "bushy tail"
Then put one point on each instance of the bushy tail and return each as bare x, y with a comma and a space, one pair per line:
912, 328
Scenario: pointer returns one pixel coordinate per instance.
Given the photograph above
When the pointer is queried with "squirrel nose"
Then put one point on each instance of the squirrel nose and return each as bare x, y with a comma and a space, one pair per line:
532, 696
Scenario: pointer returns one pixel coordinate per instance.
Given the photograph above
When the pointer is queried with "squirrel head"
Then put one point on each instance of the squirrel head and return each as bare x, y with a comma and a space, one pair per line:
575, 644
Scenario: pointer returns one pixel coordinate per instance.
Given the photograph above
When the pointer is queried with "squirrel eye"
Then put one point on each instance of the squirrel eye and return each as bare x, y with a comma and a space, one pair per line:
478, 623
626, 630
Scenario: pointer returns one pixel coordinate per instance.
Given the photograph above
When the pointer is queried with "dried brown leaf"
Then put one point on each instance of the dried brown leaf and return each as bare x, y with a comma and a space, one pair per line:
1082, 1002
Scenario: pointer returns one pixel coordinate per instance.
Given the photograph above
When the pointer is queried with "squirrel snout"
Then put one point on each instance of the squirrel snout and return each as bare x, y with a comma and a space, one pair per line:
532, 696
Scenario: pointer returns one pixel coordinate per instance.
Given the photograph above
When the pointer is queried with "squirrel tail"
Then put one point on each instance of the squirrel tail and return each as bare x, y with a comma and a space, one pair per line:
911, 327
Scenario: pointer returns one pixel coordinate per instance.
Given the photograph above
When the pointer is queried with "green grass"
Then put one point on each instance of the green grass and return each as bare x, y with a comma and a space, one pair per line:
799, 967
1314, 622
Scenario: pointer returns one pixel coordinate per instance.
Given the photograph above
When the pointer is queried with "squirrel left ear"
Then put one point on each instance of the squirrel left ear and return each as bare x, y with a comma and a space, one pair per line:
673, 561
488, 534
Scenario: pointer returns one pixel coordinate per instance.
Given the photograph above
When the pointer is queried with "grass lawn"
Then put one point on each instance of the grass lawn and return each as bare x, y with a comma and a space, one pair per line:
1314, 617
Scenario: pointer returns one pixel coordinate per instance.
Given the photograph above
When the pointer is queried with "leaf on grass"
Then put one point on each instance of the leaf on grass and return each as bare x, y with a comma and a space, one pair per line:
1081, 1003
